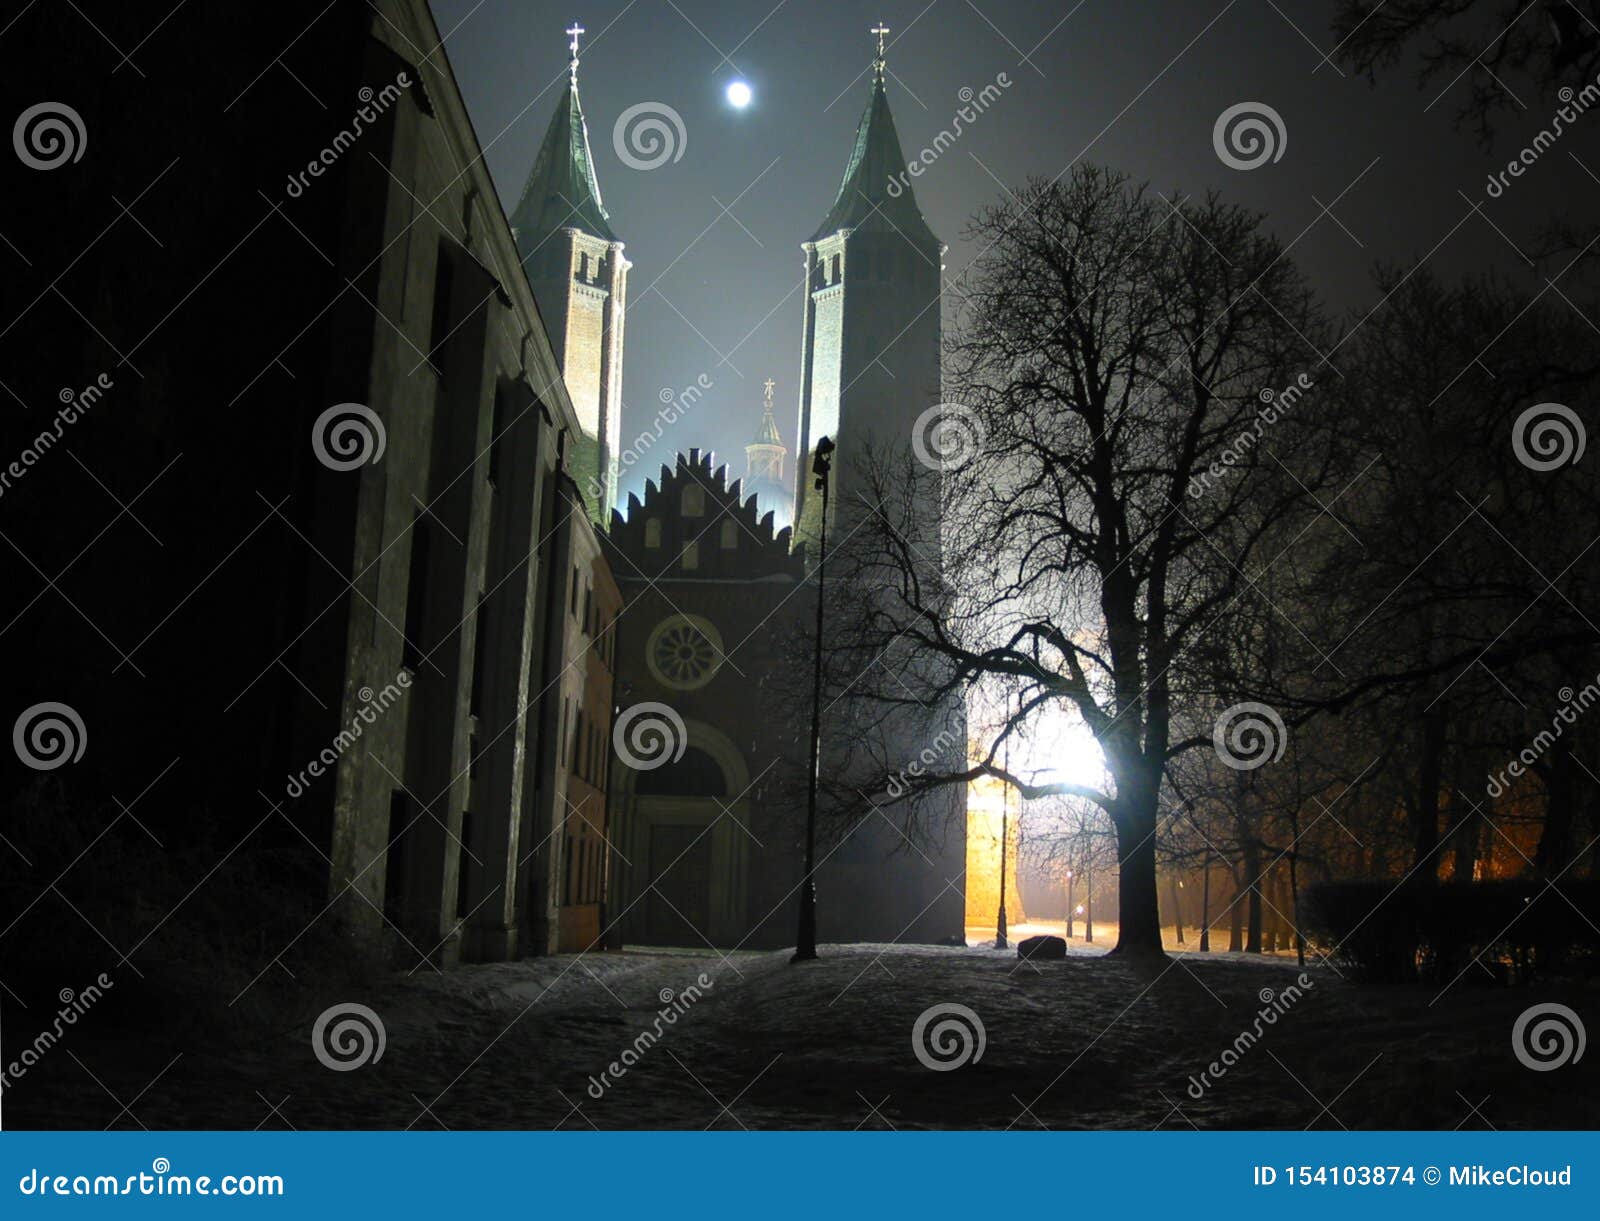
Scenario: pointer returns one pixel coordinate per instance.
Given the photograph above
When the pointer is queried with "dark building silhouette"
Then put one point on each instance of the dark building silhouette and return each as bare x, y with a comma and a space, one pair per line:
331, 622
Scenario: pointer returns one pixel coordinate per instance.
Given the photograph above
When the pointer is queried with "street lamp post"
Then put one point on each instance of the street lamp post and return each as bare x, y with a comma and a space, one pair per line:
805, 941
1005, 835
1070, 912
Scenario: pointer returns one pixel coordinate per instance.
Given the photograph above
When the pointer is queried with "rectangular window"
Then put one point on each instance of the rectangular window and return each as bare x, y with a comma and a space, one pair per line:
443, 314
497, 443
394, 868
691, 556
413, 649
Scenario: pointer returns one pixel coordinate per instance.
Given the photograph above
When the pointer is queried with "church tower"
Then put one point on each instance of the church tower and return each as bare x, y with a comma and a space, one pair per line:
764, 459
870, 347
579, 277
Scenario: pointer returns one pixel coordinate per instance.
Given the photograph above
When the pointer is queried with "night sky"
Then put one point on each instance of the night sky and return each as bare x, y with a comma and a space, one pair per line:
1135, 86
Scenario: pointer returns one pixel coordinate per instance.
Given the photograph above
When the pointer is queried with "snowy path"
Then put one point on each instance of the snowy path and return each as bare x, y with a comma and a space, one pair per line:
1082, 1043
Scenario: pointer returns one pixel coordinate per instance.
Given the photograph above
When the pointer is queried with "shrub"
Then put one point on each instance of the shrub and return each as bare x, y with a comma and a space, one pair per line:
1389, 932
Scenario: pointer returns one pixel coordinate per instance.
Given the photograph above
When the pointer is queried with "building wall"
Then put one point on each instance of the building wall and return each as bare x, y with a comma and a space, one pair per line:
443, 821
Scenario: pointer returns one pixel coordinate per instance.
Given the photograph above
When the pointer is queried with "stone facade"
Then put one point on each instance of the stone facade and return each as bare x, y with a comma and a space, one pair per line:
449, 813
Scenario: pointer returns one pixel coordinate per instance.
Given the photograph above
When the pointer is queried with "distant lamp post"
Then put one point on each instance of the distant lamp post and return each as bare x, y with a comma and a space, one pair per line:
1070, 912
805, 941
1005, 834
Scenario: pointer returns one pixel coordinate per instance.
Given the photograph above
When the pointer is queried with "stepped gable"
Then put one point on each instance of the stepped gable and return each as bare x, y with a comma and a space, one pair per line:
692, 524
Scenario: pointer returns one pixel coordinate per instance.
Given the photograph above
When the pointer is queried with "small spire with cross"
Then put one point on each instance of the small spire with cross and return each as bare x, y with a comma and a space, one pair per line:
572, 32
878, 64
767, 385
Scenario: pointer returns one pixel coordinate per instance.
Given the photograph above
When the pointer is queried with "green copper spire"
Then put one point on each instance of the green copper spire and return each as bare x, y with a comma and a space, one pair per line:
865, 198
561, 192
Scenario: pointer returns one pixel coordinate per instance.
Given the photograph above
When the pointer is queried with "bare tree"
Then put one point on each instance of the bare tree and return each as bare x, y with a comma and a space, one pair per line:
1105, 491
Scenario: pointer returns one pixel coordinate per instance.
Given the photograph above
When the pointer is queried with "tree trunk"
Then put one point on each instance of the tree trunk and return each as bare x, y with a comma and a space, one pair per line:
1205, 907
1294, 909
1430, 772
1252, 877
1555, 840
1138, 909
1236, 919
1177, 907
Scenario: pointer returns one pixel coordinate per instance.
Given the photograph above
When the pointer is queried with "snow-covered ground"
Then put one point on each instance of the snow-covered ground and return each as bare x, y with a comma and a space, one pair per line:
1086, 1042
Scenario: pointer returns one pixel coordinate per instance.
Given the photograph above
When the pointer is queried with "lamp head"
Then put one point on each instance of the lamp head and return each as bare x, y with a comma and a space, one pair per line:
823, 460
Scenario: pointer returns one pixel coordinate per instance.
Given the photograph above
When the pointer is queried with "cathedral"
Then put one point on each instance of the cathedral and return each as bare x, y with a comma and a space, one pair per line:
716, 570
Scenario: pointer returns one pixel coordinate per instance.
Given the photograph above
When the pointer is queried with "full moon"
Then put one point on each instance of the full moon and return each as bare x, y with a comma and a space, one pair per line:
739, 95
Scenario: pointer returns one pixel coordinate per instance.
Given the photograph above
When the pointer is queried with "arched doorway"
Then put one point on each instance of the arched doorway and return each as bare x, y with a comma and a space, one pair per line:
684, 873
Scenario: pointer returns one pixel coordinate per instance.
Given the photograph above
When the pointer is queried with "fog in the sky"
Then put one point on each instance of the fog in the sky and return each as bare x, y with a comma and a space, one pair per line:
714, 235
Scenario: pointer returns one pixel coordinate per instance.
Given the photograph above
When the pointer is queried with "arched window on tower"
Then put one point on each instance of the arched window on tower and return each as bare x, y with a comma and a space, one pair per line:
691, 556
652, 533
730, 535
837, 263
694, 500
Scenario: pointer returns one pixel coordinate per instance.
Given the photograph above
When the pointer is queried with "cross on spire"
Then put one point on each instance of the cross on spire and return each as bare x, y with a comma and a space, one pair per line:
573, 31
880, 30
767, 385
